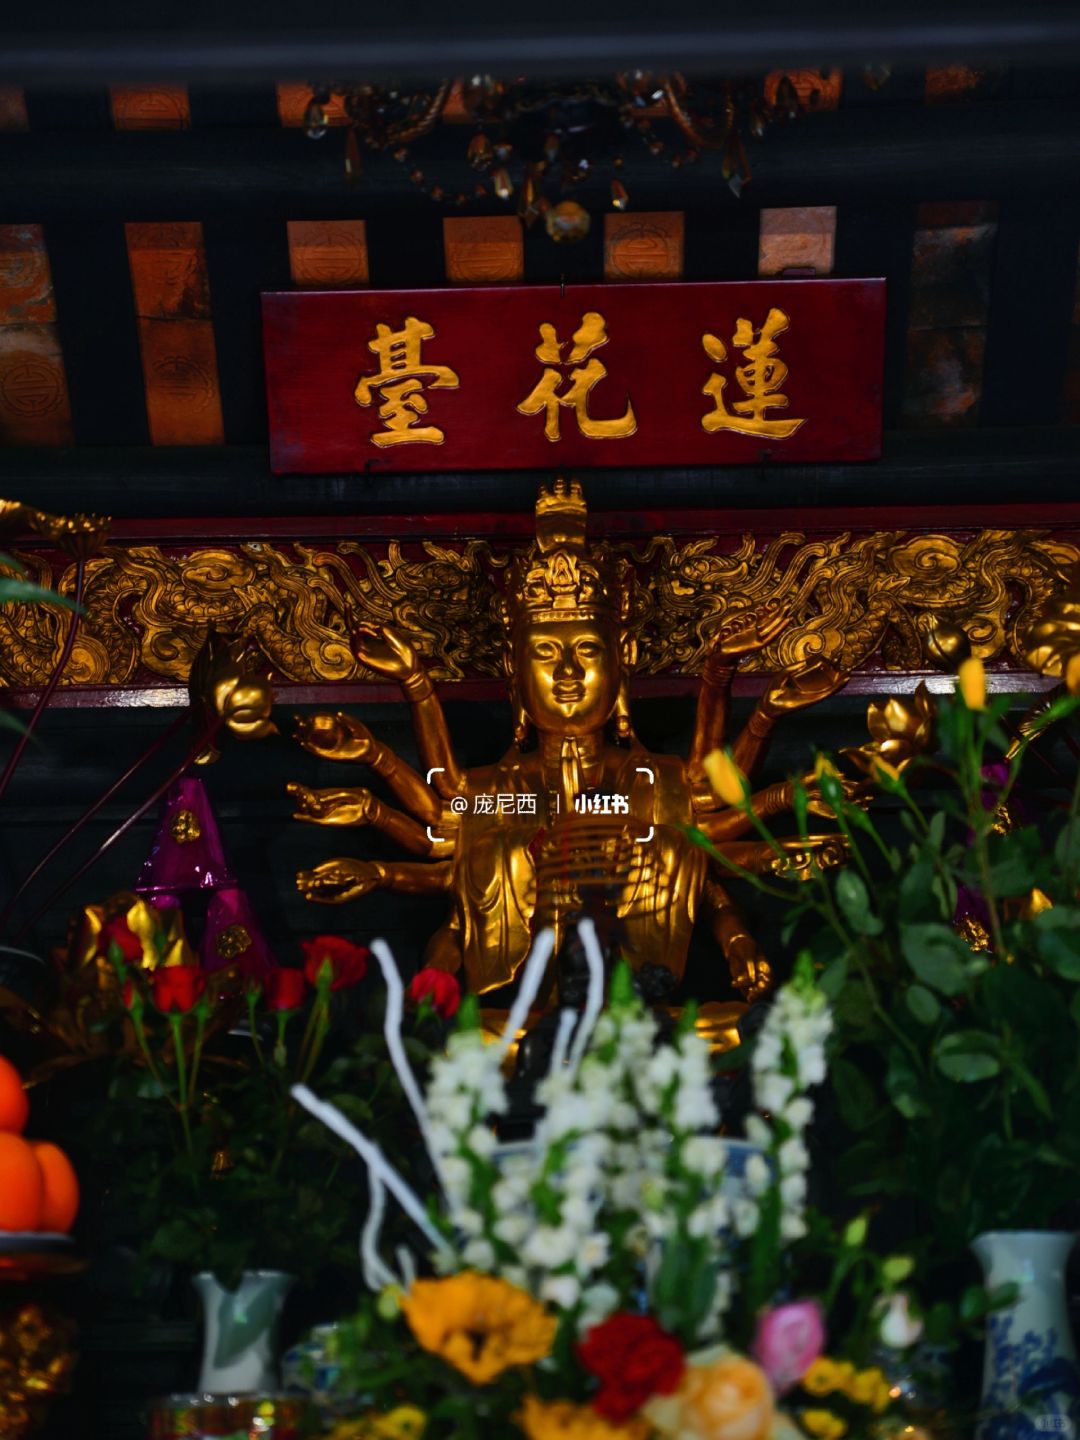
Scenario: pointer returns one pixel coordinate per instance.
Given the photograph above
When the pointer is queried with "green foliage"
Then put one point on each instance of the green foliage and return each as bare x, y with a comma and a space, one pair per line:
955, 1072
245, 1178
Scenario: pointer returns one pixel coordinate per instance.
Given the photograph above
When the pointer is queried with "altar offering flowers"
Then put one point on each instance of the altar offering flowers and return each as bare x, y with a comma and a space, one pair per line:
438, 989
601, 1280
480, 1325
788, 1341
218, 1167
634, 1359
722, 1396
333, 960
563, 1420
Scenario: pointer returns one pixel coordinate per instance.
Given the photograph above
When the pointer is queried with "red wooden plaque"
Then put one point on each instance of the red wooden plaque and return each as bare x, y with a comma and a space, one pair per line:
534, 378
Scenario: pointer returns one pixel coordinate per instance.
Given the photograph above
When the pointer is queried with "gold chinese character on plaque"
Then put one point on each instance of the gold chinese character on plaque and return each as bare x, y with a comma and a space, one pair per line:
589, 336
759, 379
401, 381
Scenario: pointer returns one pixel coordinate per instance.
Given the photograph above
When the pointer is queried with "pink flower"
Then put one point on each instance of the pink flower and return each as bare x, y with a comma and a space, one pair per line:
788, 1341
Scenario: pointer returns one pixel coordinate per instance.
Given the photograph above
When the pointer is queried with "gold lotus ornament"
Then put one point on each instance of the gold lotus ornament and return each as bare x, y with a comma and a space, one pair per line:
900, 730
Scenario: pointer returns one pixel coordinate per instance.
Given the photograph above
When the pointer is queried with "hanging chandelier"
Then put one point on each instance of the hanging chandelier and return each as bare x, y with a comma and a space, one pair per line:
532, 144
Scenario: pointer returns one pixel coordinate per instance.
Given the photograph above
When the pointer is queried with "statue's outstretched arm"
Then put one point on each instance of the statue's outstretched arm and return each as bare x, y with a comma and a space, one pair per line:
730, 823
385, 651
343, 737
335, 881
361, 807
794, 690
746, 632
710, 722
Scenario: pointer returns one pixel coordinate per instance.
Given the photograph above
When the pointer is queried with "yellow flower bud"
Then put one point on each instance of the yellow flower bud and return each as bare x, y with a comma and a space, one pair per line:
822, 1423
388, 1305
855, 1231
406, 1422
824, 766
867, 1387
725, 777
971, 682
882, 770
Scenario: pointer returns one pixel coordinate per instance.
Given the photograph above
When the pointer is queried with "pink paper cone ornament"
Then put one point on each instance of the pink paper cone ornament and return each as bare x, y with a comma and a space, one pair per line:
233, 936
187, 853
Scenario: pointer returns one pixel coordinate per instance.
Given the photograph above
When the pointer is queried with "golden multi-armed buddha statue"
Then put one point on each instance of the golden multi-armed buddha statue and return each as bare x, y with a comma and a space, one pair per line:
577, 810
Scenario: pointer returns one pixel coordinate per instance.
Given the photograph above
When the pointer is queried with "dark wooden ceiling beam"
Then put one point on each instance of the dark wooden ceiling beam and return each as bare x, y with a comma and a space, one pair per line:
891, 152
918, 468
62, 41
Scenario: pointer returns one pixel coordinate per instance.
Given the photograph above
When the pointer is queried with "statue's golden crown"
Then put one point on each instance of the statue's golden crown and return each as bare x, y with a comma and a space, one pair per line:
560, 579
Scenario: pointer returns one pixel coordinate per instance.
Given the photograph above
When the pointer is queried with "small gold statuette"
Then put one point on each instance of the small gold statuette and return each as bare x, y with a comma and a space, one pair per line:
576, 812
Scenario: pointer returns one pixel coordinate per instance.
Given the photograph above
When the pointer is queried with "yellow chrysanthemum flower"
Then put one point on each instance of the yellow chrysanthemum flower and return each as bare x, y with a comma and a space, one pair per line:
971, 682
725, 777
562, 1420
822, 1424
405, 1422
868, 1387
822, 1378
479, 1324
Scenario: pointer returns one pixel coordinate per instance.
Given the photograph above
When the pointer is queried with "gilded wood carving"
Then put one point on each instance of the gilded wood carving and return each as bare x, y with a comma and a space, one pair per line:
854, 599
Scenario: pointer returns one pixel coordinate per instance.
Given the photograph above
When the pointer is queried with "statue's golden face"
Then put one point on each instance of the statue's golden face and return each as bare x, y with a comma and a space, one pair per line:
568, 674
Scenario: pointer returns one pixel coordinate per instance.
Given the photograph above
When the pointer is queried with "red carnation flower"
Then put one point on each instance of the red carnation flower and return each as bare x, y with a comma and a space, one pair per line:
633, 1358
438, 986
119, 933
178, 987
285, 989
348, 962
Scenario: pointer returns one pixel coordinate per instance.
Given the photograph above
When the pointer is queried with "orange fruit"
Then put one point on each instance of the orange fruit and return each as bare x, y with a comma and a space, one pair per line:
14, 1106
22, 1187
60, 1200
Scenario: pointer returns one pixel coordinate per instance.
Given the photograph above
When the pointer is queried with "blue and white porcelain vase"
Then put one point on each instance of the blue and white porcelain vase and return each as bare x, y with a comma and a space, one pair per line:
1031, 1380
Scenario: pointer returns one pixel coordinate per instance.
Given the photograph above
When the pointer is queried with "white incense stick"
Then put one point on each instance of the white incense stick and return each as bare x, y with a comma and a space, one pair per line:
532, 975
594, 1001
377, 1276
375, 1160
395, 1009
567, 1020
